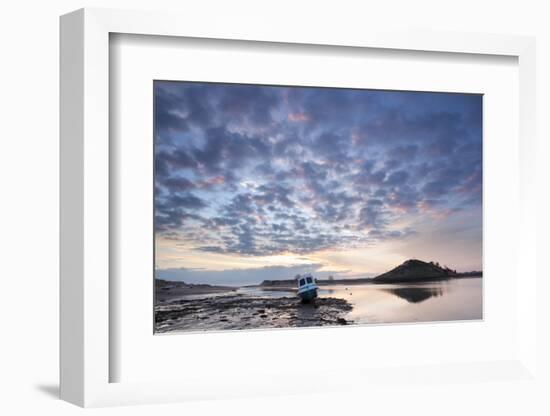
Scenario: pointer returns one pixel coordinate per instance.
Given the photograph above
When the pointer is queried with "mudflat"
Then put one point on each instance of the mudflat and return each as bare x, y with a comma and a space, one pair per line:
237, 311
167, 291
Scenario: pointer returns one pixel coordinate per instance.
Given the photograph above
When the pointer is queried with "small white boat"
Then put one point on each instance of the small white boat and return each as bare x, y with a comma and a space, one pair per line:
307, 288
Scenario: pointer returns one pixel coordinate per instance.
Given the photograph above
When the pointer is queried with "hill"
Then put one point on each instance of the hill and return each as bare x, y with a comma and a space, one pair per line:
412, 270
416, 270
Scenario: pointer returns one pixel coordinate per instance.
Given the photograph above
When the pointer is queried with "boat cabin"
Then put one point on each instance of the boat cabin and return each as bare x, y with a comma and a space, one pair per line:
307, 287
306, 280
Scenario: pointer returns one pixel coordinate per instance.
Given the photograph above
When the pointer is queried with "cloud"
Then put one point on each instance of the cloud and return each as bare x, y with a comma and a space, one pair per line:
254, 171
177, 184
397, 178
248, 103
298, 117
372, 216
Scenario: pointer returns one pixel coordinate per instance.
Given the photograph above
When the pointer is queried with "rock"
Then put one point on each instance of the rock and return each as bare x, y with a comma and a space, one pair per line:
342, 321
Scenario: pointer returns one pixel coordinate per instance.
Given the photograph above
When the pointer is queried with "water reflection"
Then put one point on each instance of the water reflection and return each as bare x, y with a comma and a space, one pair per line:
415, 294
458, 299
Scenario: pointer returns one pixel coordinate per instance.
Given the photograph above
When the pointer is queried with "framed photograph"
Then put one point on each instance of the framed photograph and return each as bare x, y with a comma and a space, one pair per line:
287, 206
238, 212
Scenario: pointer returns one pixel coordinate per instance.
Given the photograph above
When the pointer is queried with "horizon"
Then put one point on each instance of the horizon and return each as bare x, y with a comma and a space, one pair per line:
258, 183
327, 275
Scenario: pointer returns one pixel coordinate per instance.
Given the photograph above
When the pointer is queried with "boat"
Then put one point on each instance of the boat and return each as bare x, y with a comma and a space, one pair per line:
307, 288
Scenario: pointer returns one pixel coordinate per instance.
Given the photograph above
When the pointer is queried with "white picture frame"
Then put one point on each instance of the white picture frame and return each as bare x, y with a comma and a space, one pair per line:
85, 200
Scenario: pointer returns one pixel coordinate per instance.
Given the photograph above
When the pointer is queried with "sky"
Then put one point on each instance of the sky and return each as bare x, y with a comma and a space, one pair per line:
265, 182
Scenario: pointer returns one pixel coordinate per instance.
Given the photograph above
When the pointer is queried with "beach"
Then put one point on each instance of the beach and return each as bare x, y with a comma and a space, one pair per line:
185, 307
248, 312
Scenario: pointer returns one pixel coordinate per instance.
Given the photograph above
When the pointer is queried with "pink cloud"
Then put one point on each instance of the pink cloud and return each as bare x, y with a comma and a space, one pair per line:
215, 180
298, 117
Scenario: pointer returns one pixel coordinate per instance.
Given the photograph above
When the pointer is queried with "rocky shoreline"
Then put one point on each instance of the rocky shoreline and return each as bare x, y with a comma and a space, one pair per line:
237, 311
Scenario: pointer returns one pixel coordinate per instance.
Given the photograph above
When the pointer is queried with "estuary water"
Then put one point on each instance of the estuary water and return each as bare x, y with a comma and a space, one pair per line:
448, 300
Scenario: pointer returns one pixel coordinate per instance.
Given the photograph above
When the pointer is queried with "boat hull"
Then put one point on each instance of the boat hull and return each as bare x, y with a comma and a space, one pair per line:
308, 295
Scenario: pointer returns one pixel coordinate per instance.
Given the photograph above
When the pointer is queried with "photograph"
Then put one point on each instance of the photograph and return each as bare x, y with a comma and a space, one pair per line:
305, 206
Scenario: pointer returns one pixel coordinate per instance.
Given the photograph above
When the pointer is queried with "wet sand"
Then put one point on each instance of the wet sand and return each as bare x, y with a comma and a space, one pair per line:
248, 312
168, 291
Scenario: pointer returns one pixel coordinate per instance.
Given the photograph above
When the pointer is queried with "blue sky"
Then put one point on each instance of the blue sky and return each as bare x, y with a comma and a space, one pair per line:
255, 182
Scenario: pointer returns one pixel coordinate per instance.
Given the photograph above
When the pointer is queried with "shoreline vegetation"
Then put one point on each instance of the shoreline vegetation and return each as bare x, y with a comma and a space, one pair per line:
185, 306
